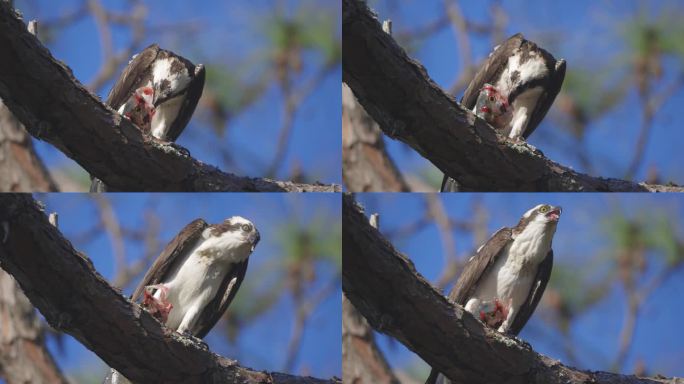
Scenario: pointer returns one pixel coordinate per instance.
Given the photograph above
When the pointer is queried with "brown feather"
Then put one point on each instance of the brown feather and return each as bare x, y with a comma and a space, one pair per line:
180, 245
123, 88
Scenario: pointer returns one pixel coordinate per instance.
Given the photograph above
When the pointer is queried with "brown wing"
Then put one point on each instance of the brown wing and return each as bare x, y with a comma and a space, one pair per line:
123, 88
551, 89
491, 69
215, 309
538, 287
477, 266
474, 269
181, 244
192, 96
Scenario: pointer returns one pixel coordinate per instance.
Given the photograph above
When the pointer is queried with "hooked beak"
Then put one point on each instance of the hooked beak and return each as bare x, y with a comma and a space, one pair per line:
158, 98
254, 239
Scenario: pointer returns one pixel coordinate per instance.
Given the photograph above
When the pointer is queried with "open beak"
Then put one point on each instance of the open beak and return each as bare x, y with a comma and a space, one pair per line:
554, 214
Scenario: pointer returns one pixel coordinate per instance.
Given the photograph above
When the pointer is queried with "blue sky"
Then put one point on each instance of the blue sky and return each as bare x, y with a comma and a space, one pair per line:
261, 343
580, 236
587, 35
231, 36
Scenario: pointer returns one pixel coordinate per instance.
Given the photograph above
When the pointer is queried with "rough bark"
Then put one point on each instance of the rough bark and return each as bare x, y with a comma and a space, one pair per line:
362, 361
398, 93
75, 299
395, 299
21, 170
366, 166
23, 355
44, 95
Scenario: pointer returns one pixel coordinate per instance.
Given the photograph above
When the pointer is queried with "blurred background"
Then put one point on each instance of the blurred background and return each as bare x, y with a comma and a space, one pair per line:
618, 277
286, 316
618, 112
271, 102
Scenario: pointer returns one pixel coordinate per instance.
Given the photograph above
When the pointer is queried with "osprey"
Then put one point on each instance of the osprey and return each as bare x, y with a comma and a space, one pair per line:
528, 77
503, 283
195, 278
158, 91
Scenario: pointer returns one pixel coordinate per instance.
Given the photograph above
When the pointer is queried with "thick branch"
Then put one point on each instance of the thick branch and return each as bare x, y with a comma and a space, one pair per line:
385, 287
398, 93
44, 95
75, 299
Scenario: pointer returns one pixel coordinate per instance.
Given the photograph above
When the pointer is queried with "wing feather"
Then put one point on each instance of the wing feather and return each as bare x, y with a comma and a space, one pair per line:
181, 244
131, 76
546, 99
478, 265
192, 96
491, 69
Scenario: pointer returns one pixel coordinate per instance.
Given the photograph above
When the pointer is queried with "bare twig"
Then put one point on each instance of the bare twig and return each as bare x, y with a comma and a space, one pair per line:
293, 101
650, 106
303, 312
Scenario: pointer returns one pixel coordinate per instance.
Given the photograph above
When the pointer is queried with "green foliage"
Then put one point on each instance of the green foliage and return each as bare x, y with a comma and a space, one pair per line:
233, 89
654, 230
592, 92
317, 241
577, 288
311, 28
662, 34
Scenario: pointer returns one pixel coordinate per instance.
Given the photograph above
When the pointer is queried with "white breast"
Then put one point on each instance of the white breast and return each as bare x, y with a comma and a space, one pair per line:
524, 104
510, 278
197, 279
165, 115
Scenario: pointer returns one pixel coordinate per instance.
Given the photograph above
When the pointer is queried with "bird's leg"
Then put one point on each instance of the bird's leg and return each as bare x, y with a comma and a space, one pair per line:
188, 323
158, 307
189, 320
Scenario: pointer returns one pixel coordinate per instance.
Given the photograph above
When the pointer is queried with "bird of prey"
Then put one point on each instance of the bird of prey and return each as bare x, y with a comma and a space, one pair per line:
528, 77
195, 278
158, 91
503, 283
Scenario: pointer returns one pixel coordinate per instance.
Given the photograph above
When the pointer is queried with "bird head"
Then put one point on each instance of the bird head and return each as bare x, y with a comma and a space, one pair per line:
544, 213
171, 76
236, 231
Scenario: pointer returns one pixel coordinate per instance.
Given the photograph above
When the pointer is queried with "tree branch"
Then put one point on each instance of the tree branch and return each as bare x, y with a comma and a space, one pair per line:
44, 95
397, 92
395, 299
75, 299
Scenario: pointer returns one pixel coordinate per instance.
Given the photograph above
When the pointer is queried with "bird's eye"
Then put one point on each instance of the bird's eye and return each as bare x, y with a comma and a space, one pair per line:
246, 227
544, 209
491, 98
